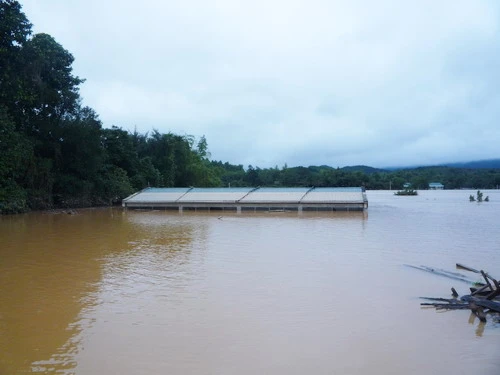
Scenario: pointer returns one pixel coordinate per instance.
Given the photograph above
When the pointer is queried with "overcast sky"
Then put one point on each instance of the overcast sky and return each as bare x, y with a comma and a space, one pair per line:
301, 82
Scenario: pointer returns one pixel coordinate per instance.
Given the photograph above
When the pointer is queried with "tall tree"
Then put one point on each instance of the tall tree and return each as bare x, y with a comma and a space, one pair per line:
14, 32
50, 91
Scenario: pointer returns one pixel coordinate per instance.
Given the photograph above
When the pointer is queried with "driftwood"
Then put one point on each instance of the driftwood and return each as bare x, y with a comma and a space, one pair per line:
492, 305
441, 272
461, 266
463, 303
491, 291
447, 306
482, 301
483, 291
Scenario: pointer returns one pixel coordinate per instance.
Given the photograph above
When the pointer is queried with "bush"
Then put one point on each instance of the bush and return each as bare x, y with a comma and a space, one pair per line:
13, 200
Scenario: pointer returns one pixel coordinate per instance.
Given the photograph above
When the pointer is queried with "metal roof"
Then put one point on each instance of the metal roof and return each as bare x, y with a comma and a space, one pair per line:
247, 195
282, 195
214, 194
333, 194
167, 190
157, 194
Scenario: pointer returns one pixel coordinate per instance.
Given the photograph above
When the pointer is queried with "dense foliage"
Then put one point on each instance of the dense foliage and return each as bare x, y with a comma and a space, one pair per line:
55, 152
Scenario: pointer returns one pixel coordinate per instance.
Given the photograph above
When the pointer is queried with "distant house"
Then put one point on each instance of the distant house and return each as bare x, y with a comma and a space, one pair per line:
436, 186
407, 185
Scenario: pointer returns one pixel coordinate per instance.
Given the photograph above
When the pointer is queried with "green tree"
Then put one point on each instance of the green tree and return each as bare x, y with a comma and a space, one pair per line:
202, 148
14, 32
252, 177
115, 185
80, 159
120, 149
15, 152
50, 91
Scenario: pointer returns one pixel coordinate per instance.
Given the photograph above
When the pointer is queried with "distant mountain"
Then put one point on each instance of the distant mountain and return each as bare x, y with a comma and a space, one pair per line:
480, 164
362, 168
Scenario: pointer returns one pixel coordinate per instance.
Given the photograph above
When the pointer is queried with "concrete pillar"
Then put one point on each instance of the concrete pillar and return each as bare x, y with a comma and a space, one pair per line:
238, 209
181, 209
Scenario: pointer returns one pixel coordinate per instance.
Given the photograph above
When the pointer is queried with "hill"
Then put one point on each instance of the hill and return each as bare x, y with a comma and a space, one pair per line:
479, 164
362, 168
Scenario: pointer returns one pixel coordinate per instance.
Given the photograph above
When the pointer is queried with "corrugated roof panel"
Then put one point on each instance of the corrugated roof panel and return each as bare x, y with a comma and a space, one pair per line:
221, 190
209, 195
156, 196
166, 190
332, 196
338, 189
282, 189
281, 195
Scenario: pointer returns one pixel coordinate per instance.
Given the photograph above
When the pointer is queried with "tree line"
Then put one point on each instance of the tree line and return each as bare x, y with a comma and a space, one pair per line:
370, 178
55, 152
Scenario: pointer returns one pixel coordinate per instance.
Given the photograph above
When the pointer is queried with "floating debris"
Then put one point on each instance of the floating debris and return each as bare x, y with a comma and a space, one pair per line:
483, 300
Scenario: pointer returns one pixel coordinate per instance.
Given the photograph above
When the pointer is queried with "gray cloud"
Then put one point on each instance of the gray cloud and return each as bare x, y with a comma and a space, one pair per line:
297, 82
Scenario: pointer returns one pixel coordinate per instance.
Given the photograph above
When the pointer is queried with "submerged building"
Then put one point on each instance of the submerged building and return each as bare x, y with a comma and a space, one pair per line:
250, 199
436, 186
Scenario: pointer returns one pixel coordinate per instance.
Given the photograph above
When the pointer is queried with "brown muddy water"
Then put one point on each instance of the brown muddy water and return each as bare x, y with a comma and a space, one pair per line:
108, 291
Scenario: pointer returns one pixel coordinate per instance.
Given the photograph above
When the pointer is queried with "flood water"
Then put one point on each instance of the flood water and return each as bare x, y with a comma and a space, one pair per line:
108, 291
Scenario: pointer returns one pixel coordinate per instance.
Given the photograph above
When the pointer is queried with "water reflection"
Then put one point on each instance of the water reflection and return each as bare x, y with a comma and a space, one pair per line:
56, 270
44, 272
